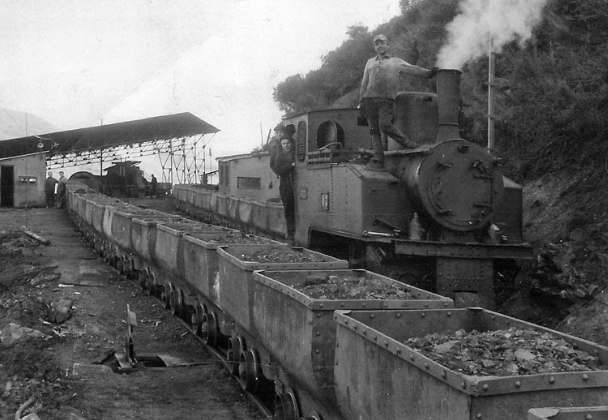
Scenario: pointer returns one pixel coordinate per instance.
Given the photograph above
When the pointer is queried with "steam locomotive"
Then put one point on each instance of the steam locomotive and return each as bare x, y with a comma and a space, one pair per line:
122, 179
441, 216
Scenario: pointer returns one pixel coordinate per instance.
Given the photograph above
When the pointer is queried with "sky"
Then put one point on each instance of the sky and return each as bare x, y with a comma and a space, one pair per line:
82, 63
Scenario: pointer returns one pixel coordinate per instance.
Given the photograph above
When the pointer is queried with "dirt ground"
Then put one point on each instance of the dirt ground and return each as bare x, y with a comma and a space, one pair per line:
55, 366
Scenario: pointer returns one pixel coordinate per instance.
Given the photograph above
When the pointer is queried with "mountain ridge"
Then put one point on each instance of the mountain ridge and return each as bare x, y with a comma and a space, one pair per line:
16, 124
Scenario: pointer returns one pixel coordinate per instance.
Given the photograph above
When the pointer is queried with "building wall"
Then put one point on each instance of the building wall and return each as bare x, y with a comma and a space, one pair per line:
28, 181
249, 176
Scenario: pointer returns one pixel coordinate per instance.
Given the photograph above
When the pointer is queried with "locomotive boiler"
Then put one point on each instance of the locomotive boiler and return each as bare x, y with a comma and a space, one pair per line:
441, 216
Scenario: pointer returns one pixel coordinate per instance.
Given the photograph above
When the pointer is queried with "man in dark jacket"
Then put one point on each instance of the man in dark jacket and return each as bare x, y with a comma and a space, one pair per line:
61, 191
49, 190
275, 144
284, 163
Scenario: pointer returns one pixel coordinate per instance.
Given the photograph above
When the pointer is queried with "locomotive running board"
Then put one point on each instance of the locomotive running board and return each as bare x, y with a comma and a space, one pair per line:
453, 250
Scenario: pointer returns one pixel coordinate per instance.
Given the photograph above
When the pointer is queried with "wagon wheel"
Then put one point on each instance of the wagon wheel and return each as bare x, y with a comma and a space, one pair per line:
236, 346
286, 406
165, 295
209, 329
151, 283
143, 279
130, 270
196, 319
177, 301
249, 370
120, 265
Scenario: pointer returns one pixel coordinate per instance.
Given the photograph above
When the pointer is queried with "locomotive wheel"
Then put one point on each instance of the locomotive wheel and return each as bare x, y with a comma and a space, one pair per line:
286, 407
249, 371
196, 319
209, 329
236, 346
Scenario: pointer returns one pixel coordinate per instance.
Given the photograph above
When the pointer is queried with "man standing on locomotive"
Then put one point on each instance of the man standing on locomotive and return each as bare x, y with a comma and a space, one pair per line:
284, 164
379, 88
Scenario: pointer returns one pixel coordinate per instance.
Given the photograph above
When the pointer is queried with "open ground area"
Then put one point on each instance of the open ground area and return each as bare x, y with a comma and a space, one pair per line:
64, 311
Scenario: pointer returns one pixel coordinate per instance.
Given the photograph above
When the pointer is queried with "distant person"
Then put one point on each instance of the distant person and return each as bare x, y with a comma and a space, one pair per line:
153, 185
284, 164
49, 190
275, 144
379, 87
61, 190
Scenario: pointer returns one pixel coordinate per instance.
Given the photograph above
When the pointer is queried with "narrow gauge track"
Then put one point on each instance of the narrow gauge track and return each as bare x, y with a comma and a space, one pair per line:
220, 355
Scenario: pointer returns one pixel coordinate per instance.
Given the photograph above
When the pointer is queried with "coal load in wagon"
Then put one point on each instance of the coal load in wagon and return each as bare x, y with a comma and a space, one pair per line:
501, 377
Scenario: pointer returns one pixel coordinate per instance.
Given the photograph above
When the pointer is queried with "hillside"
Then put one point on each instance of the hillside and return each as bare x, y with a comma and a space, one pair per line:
15, 124
551, 129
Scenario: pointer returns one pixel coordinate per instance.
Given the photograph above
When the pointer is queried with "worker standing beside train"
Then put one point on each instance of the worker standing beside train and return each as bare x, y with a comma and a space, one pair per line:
49, 190
61, 191
275, 144
379, 88
284, 163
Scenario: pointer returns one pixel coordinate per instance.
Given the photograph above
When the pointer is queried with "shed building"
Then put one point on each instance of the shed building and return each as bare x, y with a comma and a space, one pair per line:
22, 180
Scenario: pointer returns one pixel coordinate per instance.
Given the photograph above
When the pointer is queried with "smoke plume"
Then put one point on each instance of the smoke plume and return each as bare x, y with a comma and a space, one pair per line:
502, 21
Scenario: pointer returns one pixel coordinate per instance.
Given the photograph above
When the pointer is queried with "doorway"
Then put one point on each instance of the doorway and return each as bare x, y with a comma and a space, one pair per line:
7, 186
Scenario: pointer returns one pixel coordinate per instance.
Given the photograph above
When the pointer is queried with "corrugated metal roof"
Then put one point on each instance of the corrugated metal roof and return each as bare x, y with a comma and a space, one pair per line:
105, 136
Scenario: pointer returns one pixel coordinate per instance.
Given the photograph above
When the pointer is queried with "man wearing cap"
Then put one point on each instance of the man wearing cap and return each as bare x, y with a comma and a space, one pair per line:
379, 88
284, 167
275, 144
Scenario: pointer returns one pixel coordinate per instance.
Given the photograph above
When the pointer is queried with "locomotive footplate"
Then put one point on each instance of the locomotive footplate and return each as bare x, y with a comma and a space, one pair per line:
470, 250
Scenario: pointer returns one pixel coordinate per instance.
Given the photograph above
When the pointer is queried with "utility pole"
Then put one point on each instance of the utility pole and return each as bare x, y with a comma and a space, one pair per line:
491, 71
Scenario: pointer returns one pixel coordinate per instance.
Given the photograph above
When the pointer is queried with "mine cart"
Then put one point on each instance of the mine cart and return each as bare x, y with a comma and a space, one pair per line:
144, 232
168, 249
568, 413
235, 274
201, 260
370, 349
294, 319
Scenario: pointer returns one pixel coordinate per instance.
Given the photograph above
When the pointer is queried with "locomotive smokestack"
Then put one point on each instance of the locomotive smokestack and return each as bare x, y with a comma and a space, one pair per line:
448, 104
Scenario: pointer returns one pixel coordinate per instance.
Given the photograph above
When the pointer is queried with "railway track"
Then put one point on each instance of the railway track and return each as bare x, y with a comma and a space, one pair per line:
221, 356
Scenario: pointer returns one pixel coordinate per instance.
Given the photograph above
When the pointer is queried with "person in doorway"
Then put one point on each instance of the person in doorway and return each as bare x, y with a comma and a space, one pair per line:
379, 87
49, 190
153, 185
275, 144
284, 164
61, 190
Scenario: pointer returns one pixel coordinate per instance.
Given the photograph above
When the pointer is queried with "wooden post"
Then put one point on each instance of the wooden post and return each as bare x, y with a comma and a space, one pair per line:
491, 70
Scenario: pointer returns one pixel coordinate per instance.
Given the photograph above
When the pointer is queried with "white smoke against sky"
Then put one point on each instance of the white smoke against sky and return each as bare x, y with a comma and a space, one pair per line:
502, 21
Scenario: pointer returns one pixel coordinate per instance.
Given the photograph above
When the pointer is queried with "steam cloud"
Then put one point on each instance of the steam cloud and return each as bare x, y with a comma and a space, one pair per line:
503, 21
